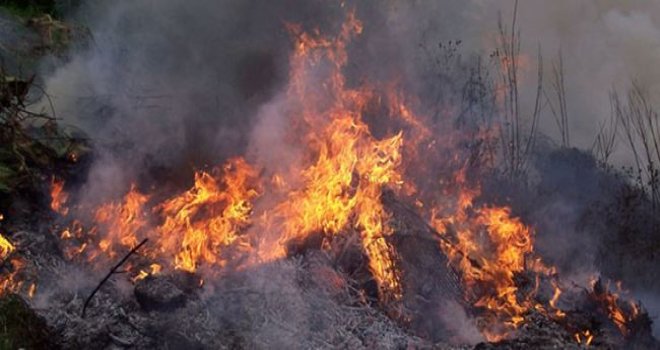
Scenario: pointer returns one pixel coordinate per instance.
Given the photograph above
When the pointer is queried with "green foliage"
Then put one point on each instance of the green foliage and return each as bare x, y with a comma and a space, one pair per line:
6, 176
20, 327
30, 8
31, 144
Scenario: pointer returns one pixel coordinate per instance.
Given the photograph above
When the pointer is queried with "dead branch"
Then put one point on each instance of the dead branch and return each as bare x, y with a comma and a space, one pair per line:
605, 142
112, 272
517, 138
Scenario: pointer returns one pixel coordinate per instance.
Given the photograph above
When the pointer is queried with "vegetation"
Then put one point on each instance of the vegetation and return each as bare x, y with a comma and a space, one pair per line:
29, 8
31, 144
517, 138
34, 8
20, 327
640, 127
559, 108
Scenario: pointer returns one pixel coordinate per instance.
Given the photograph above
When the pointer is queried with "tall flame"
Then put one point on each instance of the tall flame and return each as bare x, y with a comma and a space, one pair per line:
342, 185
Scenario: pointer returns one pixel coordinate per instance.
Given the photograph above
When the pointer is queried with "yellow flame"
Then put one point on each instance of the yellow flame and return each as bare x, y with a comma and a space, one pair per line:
6, 247
342, 184
226, 205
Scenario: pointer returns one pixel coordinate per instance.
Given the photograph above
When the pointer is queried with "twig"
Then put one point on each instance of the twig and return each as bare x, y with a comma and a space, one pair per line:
112, 271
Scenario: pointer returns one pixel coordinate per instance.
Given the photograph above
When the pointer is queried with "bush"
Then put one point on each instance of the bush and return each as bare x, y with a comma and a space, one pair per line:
20, 327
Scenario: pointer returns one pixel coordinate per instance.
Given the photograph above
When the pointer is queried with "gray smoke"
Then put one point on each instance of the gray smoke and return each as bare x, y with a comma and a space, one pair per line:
155, 64
605, 45
171, 83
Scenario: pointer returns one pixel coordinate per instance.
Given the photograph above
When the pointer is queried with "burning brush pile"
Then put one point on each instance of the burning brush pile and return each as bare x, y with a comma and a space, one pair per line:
357, 241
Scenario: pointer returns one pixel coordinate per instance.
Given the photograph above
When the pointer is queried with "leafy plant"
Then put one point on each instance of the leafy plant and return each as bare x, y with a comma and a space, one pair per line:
30, 143
20, 327
29, 8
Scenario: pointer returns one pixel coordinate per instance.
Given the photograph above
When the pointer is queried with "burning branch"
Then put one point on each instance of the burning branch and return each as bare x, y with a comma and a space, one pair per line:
112, 272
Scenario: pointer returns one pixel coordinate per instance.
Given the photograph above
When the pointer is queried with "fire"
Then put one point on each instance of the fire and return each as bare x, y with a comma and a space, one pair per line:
194, 225
116, 227
584, 337
8, 281
58, 197
71, 237
121, 222
154, 270
491, 247
342, 185
620, 312
12, 282
199, 223
336, 188
32, 291
555, 298
6, 248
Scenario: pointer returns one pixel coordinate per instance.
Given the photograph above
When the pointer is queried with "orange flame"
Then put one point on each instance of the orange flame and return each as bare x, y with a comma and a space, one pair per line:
122, 222
491, 247
555, 298
208, 217
336, 189
32, 290
58, 197
12, 282
154, 270
584, 337
621, 313
342, 185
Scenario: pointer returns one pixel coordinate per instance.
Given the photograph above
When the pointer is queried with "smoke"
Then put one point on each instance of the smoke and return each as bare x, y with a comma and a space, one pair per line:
178, 84
604, 44
170, 84
459, 325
